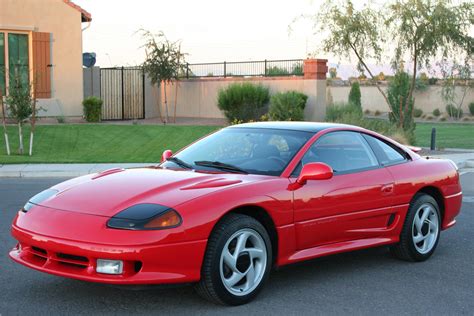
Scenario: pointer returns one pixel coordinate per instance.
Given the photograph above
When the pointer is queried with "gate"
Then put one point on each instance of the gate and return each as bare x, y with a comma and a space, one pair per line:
123, 93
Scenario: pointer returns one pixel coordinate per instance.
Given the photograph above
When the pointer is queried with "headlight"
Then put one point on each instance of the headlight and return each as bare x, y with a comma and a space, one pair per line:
38, 198
145, 217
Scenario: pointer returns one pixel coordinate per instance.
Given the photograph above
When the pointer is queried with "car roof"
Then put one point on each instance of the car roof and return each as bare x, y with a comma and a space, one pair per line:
312, 127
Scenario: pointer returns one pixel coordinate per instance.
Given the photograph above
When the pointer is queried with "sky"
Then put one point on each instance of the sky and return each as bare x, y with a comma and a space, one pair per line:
210, 31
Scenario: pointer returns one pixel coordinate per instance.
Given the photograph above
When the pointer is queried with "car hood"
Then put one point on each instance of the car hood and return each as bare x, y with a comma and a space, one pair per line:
109, 192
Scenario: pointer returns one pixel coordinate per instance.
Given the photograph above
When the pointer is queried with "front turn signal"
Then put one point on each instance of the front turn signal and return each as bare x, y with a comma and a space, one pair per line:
167, 220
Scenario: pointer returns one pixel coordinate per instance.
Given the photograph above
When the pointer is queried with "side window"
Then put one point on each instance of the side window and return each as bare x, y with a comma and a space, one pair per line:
343, 151
386, 153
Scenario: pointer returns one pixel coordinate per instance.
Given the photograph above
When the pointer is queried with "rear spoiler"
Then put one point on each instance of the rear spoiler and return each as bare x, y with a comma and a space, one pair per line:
413, 148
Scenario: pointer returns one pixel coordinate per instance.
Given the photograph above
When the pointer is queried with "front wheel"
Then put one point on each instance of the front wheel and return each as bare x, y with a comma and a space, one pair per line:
237, 261
421, 230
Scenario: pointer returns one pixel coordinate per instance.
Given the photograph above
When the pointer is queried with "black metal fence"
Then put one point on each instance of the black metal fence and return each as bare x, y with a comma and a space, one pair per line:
122, 90
262, 68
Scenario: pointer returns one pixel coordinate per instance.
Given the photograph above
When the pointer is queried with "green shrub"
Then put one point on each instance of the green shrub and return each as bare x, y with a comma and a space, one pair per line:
453, 111
417, 112
92, 109
377, 113
471, 108
381, 126
243, 101
336, 111
432, 81
287, 106
436, 112
277, 71
354, 95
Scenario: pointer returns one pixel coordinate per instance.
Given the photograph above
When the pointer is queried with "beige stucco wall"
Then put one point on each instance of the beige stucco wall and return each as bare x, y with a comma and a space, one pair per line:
428, 100
198, 97
64, 22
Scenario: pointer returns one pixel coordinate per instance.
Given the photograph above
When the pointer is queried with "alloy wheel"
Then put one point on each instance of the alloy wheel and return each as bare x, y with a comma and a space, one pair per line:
425, 228
243, 262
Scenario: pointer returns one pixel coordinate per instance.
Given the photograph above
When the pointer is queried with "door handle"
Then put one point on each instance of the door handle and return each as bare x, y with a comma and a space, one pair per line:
387, 188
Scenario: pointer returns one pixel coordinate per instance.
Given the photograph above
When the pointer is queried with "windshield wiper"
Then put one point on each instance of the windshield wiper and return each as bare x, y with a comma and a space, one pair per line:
180, 162
220, 165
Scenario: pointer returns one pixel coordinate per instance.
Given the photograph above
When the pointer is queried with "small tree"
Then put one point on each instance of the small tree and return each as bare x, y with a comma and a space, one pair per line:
423, 29
164, 61
351, 33
20, 105
354, 95
401, 109
419, 30
332, 73
457, 77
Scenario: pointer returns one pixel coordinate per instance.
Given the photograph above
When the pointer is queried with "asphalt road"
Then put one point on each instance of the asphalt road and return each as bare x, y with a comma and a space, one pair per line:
363, 282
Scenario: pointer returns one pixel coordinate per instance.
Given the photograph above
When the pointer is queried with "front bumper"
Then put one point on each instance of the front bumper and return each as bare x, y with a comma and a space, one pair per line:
143, 264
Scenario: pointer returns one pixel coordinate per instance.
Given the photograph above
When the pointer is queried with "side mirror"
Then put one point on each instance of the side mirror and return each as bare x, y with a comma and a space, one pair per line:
166, 154
314, 171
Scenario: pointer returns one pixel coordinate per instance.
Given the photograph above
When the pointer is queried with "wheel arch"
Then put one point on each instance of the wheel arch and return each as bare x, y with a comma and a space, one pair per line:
263, 217
436, 194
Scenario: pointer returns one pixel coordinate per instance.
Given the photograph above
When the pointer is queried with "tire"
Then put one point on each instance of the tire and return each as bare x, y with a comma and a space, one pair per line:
220, 269
421, 231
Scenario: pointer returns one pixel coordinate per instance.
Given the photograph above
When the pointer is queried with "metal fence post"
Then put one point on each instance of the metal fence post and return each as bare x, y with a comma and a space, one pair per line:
225, 69
265, 68
433, 139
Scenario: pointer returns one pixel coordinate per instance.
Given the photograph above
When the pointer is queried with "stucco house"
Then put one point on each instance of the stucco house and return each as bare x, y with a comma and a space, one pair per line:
41, 42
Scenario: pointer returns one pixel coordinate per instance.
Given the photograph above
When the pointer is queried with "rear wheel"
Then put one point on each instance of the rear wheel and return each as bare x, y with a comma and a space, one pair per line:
421, 230
237, 261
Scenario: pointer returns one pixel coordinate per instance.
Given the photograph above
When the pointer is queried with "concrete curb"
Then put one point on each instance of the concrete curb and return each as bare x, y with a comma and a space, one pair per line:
60, 170
462, 160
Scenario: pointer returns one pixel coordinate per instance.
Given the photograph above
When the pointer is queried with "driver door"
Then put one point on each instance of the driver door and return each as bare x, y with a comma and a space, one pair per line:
353, 204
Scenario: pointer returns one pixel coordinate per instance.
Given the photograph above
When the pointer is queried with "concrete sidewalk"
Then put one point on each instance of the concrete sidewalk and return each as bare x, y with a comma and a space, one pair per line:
60, 170
464, 161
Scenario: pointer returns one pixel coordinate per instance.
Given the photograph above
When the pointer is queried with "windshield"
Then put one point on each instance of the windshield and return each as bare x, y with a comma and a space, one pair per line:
250, 150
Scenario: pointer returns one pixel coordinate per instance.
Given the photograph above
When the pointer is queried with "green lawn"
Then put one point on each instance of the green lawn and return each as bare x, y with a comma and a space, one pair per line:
101, 142
145, 143
447, 135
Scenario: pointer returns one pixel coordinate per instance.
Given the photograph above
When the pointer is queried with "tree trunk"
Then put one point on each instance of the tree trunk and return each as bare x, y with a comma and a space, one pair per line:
7, 143
20, 135
33, 122
157, 96
400, 113
413, 82
166, 105
175, 100
31, 142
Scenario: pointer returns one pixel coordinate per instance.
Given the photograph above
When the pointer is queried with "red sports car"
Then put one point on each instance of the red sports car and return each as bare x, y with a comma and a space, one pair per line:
224, 211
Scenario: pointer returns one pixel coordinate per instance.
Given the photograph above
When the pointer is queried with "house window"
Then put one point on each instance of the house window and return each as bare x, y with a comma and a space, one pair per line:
18, 59
26, 57
14, 60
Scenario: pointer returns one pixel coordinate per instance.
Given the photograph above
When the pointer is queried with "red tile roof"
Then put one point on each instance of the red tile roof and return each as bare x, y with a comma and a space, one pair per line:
85, 16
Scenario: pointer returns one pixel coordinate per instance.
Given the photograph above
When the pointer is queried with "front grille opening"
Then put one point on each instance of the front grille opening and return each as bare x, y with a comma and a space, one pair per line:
37, 259
74, 265
39, 250
138, 266
72, 257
